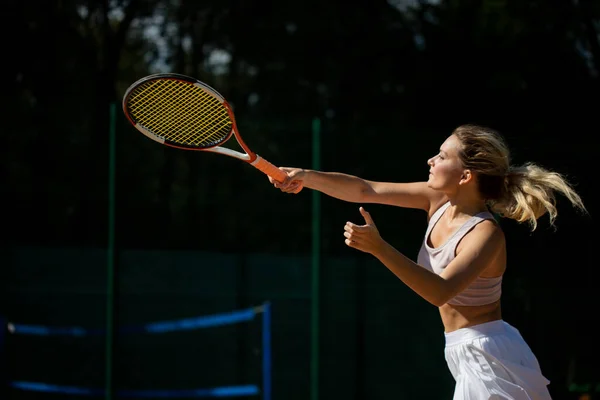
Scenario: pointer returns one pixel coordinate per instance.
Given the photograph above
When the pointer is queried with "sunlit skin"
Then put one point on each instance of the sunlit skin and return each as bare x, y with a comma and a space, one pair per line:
481, 252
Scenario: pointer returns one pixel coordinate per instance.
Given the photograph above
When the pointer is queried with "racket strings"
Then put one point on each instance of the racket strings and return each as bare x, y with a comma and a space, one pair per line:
178, 93
180, 112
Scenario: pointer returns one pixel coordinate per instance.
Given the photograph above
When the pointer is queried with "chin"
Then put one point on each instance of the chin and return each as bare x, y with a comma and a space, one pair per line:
433, 186
430, 184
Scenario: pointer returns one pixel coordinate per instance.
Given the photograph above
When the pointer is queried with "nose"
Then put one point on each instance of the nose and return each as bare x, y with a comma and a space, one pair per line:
430, 161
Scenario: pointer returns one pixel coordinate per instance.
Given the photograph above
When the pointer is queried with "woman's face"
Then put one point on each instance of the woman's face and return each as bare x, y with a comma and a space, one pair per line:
445, 168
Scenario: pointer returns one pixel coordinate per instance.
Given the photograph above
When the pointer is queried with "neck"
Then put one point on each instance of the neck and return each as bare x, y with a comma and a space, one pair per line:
461, 205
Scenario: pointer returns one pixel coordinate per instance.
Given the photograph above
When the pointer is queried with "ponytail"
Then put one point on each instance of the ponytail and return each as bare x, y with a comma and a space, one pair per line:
529, 192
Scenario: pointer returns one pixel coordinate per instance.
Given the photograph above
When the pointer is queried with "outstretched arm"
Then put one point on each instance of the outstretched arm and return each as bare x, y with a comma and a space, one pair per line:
358, 190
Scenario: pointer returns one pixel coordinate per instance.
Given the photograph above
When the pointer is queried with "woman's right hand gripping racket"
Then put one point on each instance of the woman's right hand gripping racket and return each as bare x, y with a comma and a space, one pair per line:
182, 112
293, 184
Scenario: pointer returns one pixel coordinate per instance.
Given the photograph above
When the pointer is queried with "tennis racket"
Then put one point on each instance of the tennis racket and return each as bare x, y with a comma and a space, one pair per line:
182, 112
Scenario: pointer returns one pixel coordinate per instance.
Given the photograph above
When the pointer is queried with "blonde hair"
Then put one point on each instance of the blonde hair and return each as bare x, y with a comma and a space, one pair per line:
523, 193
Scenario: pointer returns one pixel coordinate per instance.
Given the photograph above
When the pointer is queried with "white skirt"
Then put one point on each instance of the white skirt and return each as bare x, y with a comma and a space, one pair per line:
493, 361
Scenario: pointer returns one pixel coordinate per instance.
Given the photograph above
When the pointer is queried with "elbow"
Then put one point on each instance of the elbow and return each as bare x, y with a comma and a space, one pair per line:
442, 296
362, 197
436, 299
436, 304
439, 301
366, 194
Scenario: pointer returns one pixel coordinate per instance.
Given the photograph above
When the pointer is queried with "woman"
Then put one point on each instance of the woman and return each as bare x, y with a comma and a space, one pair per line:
463, 255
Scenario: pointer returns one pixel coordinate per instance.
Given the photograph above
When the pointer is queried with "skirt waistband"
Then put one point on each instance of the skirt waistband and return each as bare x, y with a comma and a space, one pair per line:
467, 334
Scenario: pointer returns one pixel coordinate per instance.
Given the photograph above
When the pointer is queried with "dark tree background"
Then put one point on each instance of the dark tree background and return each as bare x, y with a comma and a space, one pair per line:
389, 80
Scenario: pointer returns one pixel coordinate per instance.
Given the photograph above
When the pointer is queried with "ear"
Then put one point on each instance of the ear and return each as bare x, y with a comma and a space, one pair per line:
466, 177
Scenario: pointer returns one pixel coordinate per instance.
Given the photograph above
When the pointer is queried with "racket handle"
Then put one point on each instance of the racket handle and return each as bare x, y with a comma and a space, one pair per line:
266, 167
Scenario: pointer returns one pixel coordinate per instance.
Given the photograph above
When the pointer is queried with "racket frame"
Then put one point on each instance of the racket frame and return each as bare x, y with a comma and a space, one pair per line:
250, 157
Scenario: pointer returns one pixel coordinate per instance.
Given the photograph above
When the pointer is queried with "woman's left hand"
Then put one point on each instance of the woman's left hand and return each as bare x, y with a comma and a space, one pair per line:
363, 237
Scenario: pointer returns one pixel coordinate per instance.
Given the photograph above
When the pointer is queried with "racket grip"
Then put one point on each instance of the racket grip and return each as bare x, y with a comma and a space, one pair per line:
266, 167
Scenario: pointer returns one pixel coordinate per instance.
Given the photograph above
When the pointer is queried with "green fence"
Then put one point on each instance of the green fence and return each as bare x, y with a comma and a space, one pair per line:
377, 339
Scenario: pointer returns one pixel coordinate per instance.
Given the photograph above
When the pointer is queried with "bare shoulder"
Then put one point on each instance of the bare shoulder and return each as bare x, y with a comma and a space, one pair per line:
486, 243
490, 228
486, 234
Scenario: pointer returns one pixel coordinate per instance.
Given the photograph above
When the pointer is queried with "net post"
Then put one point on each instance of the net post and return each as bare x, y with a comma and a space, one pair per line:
266, 344
316, 259
108, 390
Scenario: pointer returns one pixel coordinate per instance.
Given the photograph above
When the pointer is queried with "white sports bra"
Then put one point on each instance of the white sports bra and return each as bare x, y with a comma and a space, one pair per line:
482, 290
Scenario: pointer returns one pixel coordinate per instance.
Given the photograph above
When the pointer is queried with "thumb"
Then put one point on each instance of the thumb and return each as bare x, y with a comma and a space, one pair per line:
288, 177
292, 173
366, 216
